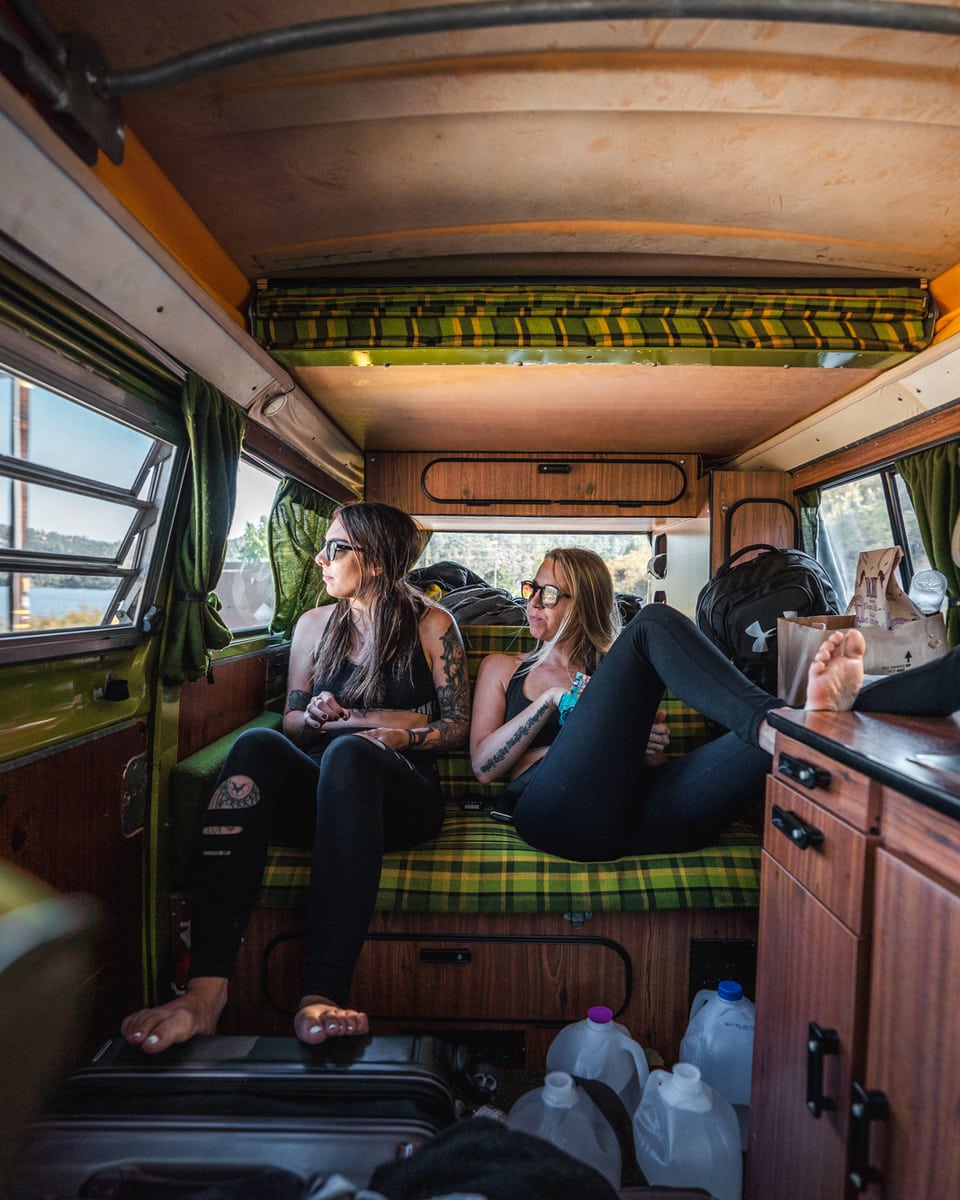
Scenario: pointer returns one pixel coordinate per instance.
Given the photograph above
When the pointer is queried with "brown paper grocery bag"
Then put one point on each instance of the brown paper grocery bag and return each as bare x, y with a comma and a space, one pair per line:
889, 651
878, 599
798, 640
909, 644
898, 635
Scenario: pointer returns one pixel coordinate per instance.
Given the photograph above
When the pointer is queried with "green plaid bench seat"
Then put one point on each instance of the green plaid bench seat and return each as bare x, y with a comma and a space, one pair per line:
479, 866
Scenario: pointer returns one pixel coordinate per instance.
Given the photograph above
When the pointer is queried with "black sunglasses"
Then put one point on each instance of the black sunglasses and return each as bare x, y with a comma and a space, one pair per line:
550, 596
330, 550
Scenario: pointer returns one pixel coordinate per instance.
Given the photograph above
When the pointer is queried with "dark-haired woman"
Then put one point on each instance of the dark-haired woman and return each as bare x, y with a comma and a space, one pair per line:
377, 683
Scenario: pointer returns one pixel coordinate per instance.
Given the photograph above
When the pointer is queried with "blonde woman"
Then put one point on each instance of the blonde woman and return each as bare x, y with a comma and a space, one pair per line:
575, 726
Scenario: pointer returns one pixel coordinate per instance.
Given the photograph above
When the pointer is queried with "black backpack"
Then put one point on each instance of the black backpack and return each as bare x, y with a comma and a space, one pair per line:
480, 604
739, 607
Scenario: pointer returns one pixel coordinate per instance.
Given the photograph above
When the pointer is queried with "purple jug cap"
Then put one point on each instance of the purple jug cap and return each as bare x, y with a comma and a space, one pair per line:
600, 1014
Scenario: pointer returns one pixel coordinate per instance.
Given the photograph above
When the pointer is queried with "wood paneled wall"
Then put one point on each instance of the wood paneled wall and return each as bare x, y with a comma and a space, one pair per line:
61, 819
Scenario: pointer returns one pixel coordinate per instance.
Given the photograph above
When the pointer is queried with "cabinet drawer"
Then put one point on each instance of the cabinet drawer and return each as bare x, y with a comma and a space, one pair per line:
930, 837
839, 789
470, 977
826, 855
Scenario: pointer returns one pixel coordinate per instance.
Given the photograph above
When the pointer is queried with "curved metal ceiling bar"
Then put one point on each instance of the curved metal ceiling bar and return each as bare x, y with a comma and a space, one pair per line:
878, 14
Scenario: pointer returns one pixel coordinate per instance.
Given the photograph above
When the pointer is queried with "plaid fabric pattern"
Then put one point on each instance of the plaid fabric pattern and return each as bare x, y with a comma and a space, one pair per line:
478, 866
307, 316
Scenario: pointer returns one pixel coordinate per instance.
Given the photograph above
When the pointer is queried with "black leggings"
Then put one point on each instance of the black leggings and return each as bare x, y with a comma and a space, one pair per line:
351, 800
594, 798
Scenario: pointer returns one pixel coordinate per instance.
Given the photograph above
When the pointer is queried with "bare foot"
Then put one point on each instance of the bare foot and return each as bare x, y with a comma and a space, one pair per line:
836, 673
319, 1019
197, 1011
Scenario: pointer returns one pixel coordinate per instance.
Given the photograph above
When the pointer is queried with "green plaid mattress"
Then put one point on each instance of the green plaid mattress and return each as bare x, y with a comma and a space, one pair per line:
304, 316
479, 866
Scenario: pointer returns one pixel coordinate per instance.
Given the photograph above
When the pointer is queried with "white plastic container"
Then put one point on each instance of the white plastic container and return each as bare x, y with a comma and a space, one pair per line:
719, 1040
687, 1135
599, 1048
561, 1113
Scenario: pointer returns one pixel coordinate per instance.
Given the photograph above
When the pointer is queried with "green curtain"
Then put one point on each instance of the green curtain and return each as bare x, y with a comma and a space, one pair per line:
194, 628
298, 524
809, 505
933, 481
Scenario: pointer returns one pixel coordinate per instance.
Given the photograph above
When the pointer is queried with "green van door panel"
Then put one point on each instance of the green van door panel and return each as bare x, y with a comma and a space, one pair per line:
44, 704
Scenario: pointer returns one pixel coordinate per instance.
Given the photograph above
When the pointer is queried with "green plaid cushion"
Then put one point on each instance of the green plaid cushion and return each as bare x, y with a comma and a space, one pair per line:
309, 319
478, 866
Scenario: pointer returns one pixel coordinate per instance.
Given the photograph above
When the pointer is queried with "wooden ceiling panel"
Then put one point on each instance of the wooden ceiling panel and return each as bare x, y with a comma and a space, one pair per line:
719, 411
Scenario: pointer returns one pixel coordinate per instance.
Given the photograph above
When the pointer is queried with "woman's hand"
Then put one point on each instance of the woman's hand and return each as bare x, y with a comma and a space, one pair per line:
658, 741
389, 738
322, 709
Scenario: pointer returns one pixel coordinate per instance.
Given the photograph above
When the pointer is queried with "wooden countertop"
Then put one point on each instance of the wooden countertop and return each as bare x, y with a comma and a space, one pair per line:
919, 756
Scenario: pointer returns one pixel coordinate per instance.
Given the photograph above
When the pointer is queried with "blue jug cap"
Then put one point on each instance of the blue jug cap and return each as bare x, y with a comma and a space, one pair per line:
600, 1014
729, 989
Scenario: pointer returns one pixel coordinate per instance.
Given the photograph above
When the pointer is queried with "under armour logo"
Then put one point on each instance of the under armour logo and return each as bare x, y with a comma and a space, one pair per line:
760, 635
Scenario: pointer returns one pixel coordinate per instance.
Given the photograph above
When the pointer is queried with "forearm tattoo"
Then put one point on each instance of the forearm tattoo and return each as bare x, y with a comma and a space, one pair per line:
520, 734
297, 700
453, 697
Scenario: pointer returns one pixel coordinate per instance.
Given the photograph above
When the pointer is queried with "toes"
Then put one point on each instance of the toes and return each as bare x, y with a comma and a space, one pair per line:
315, 1023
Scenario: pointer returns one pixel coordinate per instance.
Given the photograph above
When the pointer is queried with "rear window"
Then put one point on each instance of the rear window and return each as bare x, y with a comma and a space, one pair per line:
502, 560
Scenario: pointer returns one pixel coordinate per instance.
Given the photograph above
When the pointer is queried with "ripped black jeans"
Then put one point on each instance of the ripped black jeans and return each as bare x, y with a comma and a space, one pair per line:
350, 799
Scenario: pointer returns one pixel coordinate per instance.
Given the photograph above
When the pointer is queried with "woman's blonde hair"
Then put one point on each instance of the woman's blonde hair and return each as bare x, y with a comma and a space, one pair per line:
388, 542
592, 620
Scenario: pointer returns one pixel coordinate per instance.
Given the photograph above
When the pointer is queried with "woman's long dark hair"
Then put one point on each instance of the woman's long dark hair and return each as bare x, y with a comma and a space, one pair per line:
389, 542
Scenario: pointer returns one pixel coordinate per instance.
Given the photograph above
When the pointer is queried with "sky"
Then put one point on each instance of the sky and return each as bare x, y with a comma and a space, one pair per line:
69, 437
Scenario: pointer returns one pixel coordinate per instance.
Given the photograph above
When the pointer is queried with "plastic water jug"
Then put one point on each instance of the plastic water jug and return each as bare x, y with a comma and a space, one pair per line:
561, 1113
686, 1134
719, 1040
599, 1048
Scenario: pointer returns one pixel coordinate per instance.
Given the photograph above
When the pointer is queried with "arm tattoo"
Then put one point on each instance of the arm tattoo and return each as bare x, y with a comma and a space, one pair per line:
529, 726
453, 697
297, 700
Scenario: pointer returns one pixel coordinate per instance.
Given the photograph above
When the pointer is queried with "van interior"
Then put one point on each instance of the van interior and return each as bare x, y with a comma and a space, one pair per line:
667, 279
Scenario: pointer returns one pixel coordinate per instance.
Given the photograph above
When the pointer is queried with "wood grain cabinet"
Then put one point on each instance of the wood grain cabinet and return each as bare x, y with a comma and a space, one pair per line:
907, 1141
856, 1083
811, 972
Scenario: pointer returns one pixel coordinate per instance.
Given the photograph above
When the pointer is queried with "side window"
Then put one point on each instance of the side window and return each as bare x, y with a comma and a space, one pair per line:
866, 514
81, 490
245, 587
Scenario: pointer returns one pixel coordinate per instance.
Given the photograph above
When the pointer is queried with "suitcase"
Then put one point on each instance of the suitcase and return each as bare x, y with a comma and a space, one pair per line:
217, 1105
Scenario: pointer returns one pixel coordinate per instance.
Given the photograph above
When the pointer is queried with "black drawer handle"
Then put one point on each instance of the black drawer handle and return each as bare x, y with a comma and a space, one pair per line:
865, 1107
459, 957
791, 826
820, 1042
804, 773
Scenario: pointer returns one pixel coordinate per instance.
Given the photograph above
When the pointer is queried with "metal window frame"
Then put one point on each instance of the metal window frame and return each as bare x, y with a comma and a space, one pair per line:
150, 527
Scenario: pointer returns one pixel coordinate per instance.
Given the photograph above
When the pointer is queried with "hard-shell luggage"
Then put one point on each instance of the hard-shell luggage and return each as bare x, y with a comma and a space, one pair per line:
217, 1105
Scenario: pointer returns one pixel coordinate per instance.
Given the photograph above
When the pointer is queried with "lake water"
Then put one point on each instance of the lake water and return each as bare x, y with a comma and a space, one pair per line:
54, 601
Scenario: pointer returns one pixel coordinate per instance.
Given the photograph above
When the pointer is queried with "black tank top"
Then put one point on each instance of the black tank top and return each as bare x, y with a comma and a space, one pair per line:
409, 688
517, 702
